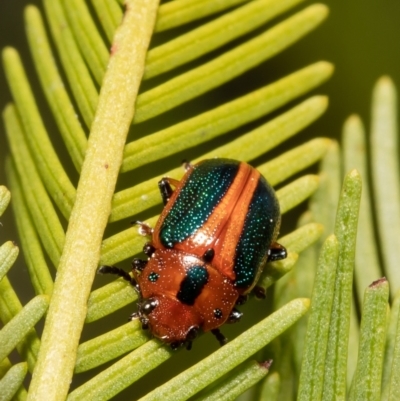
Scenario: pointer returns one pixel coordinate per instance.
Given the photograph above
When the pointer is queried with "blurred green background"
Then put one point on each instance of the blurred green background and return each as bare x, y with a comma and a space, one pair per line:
359, 37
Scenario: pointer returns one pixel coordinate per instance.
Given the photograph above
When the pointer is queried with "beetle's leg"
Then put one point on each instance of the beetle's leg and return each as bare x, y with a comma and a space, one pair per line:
148, 249
241, 300
175, 345
135, 315
138, 264
191, 335
219, 336
186, 165
144, 228
144, 322
259, 292
165, 188
234, 316
277, 252
119, 272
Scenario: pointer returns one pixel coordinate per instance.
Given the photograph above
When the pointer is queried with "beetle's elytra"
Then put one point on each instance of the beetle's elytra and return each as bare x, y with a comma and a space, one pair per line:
216, 232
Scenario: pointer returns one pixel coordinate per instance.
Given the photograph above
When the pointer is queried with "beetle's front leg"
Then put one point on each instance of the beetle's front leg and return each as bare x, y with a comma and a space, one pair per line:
144, 228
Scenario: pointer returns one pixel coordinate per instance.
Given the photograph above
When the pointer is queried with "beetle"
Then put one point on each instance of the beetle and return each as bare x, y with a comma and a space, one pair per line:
208, 248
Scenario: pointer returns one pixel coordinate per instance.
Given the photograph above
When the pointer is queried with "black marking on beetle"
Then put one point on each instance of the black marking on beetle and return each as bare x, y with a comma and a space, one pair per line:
218, 313
192, 285
153, 277
208, 255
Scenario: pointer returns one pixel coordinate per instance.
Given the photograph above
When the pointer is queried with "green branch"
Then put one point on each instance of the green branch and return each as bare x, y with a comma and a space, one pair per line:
89, 216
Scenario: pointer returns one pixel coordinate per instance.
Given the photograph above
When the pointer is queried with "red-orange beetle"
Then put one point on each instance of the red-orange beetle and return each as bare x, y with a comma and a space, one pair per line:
209, 246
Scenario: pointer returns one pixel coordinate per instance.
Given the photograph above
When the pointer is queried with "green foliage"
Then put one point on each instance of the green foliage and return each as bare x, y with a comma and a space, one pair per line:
106, 126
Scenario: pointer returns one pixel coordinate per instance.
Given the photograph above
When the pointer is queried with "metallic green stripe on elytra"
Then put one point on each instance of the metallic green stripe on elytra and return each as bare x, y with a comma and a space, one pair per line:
202, 192
192, 284
257, 234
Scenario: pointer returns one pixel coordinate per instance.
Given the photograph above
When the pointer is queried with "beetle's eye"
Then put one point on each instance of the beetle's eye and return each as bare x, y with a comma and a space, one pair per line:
148, 306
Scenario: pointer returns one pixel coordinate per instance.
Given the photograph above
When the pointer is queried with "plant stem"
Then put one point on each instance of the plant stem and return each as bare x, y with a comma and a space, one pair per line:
53, 372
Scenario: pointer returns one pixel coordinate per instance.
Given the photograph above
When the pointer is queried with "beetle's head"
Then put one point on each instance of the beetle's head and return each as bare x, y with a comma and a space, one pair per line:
169, 320
166, 297
181, 294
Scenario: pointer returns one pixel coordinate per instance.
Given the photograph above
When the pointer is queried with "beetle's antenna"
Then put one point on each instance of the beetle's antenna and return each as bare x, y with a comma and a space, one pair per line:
119, 272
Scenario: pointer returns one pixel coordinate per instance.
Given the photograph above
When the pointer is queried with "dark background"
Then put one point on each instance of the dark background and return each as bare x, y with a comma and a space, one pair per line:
361, 38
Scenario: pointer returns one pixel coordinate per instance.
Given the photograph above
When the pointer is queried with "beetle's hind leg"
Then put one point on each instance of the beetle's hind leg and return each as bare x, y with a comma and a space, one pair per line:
276, 252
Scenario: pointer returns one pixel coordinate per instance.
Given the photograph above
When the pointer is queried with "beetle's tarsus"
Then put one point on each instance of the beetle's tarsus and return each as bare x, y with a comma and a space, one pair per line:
144, 228
277, 252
